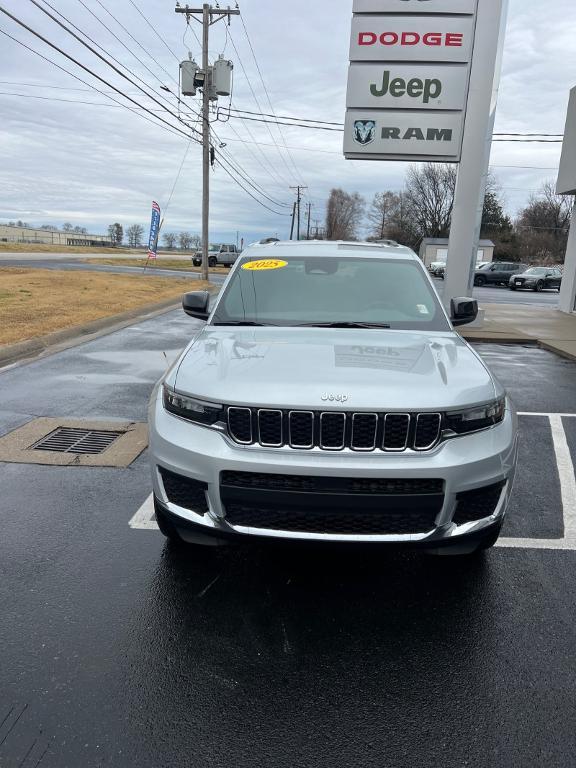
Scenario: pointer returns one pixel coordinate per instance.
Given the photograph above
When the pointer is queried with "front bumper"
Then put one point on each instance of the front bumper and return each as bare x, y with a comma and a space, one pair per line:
463, 464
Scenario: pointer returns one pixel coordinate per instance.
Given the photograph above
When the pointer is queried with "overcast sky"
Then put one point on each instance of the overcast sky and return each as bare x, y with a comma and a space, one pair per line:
92, 164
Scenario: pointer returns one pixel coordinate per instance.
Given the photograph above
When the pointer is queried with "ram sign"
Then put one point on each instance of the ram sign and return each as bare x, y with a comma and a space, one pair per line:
408, 79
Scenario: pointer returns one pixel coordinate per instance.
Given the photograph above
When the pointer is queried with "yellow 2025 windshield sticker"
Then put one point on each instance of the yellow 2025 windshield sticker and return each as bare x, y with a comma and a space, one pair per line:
263, 264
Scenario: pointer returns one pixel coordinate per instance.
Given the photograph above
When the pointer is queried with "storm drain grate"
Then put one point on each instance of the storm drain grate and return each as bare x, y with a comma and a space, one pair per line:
84, 441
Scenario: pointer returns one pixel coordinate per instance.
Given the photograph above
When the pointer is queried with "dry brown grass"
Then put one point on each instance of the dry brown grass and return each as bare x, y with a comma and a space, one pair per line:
34, 302
162, 262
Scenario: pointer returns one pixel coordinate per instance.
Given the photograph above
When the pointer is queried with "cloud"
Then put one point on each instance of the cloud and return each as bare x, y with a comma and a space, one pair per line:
92, 165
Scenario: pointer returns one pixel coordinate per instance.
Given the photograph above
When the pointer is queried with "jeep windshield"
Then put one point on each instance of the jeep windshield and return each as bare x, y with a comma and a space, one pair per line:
345, 292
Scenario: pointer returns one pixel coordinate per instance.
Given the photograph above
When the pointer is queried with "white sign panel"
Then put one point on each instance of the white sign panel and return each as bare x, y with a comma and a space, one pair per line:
408, 86
415, 6
374, 133
567, 176
412, 38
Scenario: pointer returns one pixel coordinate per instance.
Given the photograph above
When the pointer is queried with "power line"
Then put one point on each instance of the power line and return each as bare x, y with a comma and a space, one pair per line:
282, 157
286, 117
153, 28
171, 128
268, 95
118, 39
138, 43
249, 181
95, 52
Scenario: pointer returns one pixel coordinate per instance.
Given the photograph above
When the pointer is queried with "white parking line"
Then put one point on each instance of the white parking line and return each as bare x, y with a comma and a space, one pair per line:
144, 518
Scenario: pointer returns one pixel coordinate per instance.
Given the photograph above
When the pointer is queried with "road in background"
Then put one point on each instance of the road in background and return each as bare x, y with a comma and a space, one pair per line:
492, 295
82, 266
120, 650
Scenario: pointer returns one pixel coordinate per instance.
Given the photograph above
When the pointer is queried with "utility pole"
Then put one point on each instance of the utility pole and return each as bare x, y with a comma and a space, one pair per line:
298, 201
210, 16
293, 218
309, 215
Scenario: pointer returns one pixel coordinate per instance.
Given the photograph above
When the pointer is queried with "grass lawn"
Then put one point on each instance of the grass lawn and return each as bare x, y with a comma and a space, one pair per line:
34, 302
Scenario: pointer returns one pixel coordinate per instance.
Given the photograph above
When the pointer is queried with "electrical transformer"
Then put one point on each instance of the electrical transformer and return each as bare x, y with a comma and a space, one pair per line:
222, 76
188, 70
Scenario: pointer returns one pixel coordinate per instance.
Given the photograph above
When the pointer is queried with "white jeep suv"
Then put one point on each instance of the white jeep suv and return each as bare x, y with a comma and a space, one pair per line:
328, 398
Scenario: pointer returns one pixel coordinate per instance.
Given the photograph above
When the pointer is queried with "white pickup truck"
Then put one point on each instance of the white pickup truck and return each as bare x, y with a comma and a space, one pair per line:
219, 254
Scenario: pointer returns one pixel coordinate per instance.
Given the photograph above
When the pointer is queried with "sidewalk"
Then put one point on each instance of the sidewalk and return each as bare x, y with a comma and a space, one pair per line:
517, 324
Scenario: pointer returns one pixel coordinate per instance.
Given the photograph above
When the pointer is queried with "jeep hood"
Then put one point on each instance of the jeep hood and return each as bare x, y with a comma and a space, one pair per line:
314, 368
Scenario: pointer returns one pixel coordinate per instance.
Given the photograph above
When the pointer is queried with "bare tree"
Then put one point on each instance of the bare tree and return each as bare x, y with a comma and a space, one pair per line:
185, 240
116, 234
196, 242
344, 214
543, 226
430, 197
135, 233
169, 239
381, 213
67, 227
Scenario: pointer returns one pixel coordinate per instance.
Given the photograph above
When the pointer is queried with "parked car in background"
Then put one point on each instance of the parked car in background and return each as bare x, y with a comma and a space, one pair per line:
537, 279
437, 268
219, 254
498, 273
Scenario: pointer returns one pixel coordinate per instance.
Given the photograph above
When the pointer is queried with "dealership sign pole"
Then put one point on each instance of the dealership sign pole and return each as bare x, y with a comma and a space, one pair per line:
567, 186
422, 87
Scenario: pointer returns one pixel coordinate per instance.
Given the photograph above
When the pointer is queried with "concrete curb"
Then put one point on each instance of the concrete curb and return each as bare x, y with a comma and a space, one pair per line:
80, 334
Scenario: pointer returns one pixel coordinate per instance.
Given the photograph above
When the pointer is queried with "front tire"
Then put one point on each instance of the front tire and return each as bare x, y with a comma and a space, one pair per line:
538, 287
212, 262
480, 281
512, 287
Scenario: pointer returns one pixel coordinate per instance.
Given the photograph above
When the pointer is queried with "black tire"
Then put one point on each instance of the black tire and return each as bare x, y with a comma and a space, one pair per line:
512, 287
538, 287
165, 525
197, 262
212, 261
480, 281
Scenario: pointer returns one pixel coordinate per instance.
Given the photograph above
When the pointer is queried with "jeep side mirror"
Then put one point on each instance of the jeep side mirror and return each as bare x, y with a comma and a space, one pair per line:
196, 303
463, 311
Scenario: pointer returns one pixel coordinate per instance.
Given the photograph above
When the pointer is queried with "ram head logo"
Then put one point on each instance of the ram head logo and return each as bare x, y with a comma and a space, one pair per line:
364, 131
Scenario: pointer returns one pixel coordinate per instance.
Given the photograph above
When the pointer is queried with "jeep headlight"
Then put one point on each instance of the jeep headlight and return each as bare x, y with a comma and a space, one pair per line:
191, 408
479, 417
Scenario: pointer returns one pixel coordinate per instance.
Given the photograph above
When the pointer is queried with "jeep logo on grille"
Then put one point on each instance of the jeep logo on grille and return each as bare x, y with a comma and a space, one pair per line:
327, 396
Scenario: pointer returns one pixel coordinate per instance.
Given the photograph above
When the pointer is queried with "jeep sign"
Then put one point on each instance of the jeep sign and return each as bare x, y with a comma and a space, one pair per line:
465, 7
407, 135
407, 86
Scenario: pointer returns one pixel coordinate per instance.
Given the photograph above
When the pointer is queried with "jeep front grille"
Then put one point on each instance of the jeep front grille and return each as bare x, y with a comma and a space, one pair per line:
334, 430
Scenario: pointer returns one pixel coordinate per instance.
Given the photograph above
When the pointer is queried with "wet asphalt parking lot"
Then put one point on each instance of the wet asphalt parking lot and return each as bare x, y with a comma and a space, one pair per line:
120, 650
